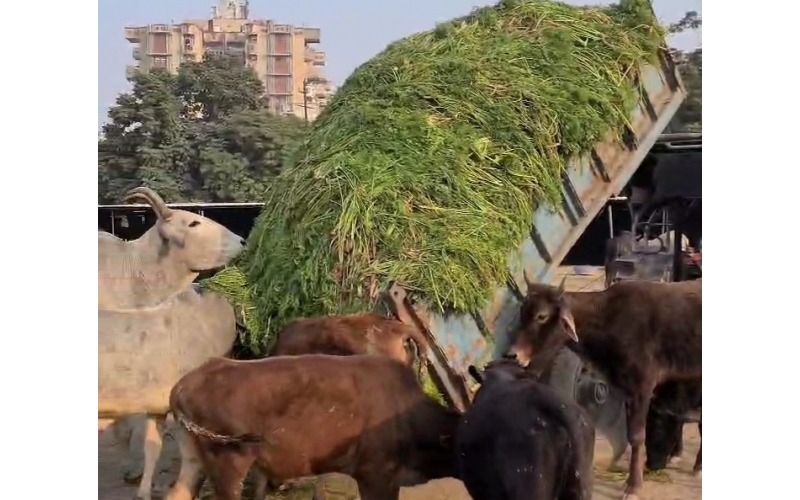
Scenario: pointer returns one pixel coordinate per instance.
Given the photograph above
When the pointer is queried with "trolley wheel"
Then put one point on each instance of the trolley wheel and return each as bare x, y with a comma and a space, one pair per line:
604, 403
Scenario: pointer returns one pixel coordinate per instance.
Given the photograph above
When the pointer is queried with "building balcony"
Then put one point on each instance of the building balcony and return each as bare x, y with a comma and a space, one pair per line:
236, 37
133, 34
235, 51
308, 54
130, 70
321, 92
311, 35
280, 28
312, 74
318, 59
256, 27
315, 79
211, 37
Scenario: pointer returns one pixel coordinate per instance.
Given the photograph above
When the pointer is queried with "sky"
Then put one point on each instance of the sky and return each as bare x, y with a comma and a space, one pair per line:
352, 31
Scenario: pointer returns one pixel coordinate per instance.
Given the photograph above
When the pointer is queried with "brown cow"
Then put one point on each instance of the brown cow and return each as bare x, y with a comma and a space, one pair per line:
344, 335
638, 333
349, 334
297, 416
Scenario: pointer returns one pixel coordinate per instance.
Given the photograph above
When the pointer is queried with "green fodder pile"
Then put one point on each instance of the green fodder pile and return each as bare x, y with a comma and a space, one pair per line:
232, 283
429, 162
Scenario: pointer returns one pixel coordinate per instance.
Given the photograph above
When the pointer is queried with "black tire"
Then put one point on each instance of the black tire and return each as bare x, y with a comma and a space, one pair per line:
568, 377
612, 422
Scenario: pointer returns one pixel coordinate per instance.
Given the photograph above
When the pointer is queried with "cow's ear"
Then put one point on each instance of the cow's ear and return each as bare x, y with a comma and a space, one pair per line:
475, 374
568, 323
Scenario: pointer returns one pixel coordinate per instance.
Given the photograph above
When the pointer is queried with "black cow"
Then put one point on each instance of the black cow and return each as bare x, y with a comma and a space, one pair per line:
674, 404
520, 440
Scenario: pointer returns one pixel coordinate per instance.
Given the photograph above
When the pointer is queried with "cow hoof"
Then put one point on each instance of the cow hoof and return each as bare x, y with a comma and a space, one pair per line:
675, 460
630, 495
132, 476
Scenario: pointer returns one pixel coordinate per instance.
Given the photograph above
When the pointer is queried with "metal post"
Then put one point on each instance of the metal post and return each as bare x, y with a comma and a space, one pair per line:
677, 247
305, 99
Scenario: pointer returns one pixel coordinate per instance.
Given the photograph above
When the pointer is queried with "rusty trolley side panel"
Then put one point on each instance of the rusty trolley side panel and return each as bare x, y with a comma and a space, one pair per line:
461, 340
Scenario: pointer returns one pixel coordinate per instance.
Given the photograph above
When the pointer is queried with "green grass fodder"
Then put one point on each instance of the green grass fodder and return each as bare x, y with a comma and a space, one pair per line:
429, 162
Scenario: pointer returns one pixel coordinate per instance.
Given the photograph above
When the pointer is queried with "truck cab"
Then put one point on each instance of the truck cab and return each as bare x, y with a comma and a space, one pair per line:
665, 206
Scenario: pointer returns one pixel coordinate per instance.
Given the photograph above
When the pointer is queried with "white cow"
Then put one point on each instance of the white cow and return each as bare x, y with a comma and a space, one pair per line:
154, 326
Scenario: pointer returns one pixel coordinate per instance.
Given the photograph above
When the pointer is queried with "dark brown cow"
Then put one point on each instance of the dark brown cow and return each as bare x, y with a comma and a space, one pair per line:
297, 416
349, 334
638, 333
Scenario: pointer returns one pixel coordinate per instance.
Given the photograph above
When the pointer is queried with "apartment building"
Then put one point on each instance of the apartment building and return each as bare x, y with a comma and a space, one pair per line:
285, 57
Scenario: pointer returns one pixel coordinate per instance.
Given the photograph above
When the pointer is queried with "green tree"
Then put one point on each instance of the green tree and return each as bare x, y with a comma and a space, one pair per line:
242, 152
217, 87
689, 117
204, 134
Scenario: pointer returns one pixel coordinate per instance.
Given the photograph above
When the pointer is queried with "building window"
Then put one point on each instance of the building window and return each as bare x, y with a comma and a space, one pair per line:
160, 62
188, 43
159, 43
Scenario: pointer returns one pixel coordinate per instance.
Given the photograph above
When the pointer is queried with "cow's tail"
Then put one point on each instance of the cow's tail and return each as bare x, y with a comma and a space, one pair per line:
192, 427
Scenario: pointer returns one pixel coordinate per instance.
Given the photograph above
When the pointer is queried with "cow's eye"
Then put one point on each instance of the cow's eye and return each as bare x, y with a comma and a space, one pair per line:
194, 223
542, 317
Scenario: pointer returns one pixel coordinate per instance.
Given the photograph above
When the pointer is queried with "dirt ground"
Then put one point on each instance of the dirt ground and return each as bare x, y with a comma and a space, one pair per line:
675, 483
